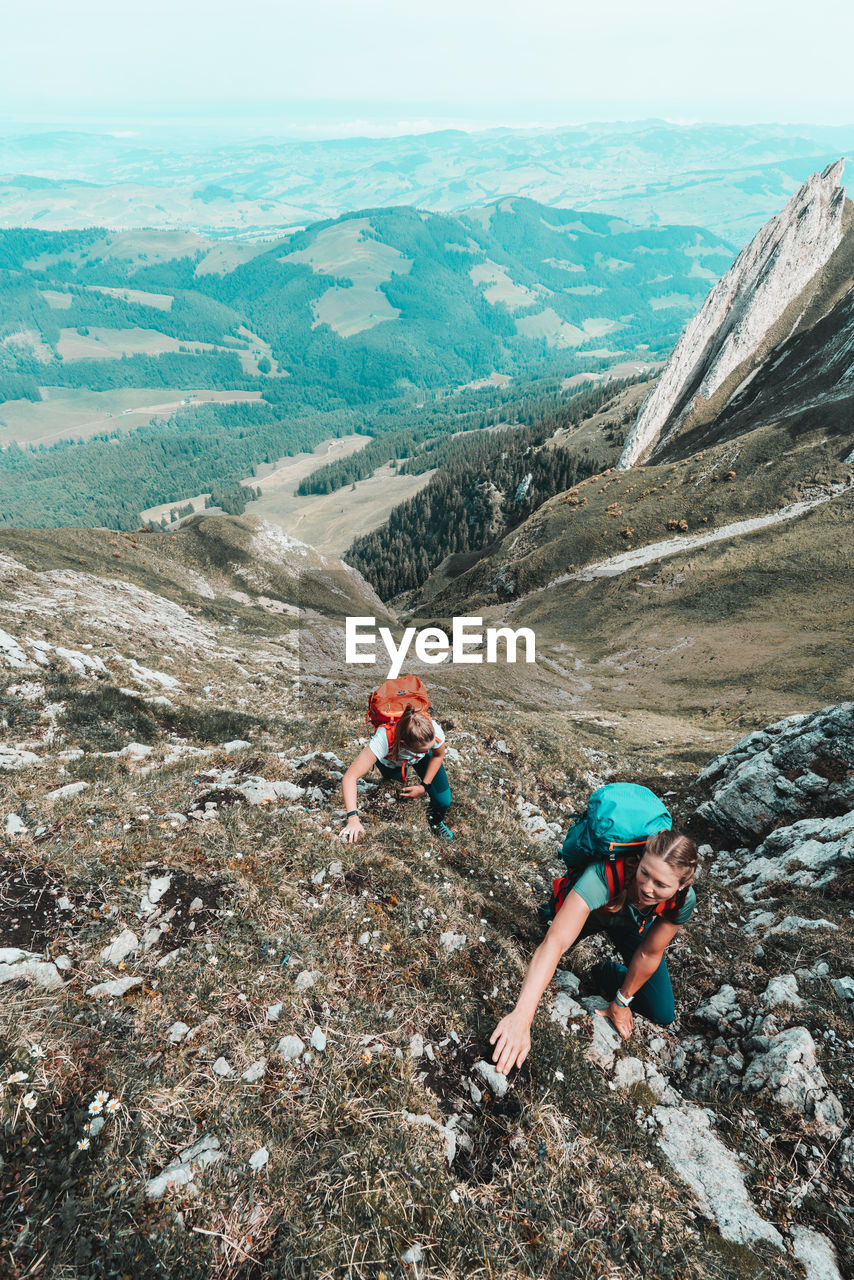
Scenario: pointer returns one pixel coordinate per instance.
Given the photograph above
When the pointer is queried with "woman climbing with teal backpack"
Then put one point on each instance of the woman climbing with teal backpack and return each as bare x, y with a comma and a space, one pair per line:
629, 875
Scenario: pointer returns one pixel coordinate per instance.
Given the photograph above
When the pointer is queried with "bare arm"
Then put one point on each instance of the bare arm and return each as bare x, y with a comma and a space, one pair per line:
512, 1036
418, 789
642, 966
363, 764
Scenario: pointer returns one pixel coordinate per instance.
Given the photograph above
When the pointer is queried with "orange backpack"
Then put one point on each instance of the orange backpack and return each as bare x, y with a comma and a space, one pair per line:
387, 704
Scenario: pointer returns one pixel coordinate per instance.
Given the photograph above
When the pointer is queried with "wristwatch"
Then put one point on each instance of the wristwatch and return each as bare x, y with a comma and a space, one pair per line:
623, 1001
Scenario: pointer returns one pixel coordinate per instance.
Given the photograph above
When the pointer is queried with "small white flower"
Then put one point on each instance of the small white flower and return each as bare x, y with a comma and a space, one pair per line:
102, 1096
16, 1077
114, 1105
30, 1100
212, 960
95, 1107
36, 1051
83, 1144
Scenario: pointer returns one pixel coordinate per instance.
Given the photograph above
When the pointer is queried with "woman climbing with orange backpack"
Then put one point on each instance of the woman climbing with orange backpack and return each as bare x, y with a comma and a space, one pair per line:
406, 739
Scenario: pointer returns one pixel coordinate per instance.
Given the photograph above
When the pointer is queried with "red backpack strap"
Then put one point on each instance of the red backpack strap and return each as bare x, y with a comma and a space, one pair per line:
615, 877
661, 907
560, 890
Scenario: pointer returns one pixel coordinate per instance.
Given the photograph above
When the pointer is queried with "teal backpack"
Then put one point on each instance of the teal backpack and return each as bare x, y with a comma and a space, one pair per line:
617, 821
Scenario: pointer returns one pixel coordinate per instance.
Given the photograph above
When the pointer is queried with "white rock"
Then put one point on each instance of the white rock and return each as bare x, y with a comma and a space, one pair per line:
274, 1012
413, 1255
16, 757
797, 924
115, 987
14, 826
496, 1080
260, 1157
126, 944
11, 652
629, 1071
564, 1007
416, 1046
66, 792
336, 869
177, 1032
236, 744
364, 939
782, 990
566, 981
721, 1008
255, 1072
30, 966
178, 1174
815, 1253
452, 942
65, 904
604, 1042
844, 988
789, 1071
712, 1172
318, 1040
155, 891
222, 1067
290, 1047
63, 963
305, 980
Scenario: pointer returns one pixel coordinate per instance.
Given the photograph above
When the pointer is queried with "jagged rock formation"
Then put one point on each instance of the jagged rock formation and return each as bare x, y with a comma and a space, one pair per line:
798, 768
786, 279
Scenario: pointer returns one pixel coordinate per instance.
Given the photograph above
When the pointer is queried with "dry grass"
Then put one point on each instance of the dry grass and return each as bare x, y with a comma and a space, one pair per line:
557, 1179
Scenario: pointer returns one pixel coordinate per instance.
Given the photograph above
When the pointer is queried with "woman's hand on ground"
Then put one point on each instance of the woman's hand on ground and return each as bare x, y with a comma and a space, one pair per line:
413, 792
351, 832
620, 1016
512, 1040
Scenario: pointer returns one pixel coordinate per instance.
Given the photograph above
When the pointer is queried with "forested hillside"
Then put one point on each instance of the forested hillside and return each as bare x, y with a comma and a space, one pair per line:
487, 484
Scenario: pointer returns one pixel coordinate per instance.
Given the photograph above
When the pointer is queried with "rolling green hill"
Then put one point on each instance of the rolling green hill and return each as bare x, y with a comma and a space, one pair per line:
321, 329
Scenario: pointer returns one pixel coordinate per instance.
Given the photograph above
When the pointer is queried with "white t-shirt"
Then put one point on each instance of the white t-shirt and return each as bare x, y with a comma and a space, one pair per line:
379, 745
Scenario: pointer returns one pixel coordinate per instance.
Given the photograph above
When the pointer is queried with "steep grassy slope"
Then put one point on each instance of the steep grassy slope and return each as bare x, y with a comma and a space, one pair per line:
390, 961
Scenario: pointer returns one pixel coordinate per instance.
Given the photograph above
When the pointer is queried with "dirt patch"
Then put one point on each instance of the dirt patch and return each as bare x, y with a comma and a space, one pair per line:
29, 916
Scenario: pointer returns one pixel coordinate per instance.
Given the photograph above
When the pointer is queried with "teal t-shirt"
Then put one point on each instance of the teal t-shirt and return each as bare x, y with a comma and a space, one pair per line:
592, 886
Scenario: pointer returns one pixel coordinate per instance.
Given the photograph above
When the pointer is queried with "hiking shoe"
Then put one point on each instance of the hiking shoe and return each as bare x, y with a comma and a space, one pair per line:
440, 829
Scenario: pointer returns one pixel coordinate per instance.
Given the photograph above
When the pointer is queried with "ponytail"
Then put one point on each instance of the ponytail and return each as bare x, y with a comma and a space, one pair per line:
414, 731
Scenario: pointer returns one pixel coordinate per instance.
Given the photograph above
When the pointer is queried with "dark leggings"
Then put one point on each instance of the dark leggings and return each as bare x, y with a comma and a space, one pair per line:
438, 790
655, 998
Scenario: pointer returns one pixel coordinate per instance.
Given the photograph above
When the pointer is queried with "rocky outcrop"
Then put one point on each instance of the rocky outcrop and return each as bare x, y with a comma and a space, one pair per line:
800, 766
789, 1072
752, 309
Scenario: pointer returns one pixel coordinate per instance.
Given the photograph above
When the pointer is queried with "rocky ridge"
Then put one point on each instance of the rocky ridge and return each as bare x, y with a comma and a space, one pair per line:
754, 307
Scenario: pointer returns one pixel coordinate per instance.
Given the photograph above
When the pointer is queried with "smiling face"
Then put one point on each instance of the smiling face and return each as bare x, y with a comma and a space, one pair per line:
655, 881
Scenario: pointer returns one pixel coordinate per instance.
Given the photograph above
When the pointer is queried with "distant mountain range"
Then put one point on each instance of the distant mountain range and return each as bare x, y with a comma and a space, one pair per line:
730, 178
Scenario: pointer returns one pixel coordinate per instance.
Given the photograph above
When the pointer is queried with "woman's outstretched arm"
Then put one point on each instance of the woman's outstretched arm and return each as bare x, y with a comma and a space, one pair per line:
363, 763
512, 1036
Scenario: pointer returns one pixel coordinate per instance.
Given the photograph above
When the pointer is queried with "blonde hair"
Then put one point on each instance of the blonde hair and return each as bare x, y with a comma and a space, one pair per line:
414, 732
679, 852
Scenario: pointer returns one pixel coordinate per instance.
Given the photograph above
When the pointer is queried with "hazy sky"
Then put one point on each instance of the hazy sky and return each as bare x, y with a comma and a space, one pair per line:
519, 62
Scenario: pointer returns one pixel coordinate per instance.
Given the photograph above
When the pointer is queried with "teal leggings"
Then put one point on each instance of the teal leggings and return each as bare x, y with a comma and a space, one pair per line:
654, 1000
438, 790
